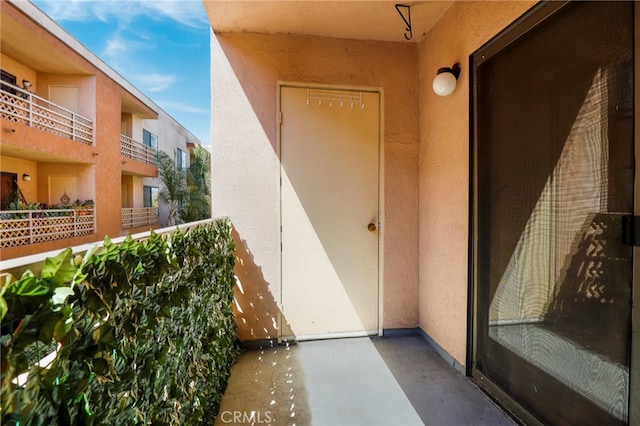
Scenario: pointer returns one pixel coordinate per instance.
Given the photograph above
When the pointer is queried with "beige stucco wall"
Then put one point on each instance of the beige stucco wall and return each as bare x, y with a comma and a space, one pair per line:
245, 71
132, 193
138, 192
444, 167
171, 135
126, 192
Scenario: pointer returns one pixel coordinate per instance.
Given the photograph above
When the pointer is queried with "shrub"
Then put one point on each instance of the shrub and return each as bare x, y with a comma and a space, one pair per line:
144, 333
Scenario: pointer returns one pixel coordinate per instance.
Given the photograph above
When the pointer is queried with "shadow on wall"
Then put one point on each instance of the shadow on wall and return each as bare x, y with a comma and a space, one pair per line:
255, 308
267, 385
249, 67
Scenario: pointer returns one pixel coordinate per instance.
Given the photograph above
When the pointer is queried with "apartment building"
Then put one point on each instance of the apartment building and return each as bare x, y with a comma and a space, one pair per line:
79, 144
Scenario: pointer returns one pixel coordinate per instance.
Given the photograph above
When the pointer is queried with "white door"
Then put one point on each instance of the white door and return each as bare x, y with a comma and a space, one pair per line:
66, 97
329, 149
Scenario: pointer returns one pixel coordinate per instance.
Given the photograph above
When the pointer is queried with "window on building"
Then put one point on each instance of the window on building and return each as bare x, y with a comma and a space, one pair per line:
151, 196
181, 159
149, 139
9, 78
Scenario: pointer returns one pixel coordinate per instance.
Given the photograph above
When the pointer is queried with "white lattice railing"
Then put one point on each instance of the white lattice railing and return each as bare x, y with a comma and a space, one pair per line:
24, 107
141, 216
138, 151
21, 227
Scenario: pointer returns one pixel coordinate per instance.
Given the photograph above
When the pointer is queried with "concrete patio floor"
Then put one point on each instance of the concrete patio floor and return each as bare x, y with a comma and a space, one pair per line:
362, 381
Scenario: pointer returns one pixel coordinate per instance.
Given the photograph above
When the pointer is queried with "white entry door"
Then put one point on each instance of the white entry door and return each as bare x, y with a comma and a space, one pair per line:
329, 151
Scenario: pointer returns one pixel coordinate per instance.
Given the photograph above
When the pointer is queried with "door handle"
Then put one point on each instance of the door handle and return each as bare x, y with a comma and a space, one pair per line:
372, 227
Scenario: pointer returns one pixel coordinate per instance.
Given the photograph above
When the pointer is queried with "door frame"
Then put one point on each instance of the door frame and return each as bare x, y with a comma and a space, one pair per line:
14, 185
381, 216
536, 16
634, 368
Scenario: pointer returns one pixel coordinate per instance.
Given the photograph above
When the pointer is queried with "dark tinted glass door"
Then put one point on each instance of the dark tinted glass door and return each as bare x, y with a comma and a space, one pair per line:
554, 173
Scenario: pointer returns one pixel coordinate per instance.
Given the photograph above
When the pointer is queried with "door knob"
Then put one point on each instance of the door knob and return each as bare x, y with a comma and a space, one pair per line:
371, 227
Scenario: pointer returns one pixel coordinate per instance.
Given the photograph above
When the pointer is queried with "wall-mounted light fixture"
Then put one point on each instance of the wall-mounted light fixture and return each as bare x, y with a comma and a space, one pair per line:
445, 82
26, 84
26, 177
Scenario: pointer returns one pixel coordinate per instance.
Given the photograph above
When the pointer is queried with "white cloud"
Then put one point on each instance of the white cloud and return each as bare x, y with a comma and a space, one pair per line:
186, 12
130, 47
172, 105
115, 47
122, 55
70, 10
154, 82
130, 42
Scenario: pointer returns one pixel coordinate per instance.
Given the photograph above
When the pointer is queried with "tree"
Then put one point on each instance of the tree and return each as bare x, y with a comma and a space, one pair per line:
197, 204
174, 187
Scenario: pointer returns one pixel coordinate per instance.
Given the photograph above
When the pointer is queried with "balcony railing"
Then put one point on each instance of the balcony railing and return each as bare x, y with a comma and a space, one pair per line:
24, 107
22, 227
142, 216
138, 151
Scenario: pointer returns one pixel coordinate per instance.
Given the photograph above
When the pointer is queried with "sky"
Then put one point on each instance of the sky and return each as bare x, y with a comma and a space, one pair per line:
159, 46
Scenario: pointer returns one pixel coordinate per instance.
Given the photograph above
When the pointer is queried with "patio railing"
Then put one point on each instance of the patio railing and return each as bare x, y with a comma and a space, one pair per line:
141, 216
22, 227
137, 150
24, 107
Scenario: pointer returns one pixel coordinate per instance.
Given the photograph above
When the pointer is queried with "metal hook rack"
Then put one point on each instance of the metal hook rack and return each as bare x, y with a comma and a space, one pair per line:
340, 97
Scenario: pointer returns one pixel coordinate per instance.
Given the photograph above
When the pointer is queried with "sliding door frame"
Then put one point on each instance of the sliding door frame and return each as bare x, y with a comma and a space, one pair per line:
519, 28
634, 369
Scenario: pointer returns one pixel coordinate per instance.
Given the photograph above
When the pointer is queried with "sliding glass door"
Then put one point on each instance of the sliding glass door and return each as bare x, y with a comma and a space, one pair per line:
553, 184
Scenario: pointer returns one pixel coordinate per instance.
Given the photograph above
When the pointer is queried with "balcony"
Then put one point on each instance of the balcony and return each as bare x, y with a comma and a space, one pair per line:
137, 150
24, 107
398, 379
141, 216
22, 227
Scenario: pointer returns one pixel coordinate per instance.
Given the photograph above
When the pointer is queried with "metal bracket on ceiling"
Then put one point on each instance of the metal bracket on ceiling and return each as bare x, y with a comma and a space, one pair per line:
406, 19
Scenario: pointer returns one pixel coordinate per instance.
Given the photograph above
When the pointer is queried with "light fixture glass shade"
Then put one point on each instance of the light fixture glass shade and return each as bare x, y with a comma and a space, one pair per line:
444, 84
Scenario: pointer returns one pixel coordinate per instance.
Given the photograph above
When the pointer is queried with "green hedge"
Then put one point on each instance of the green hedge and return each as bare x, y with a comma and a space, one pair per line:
144, 330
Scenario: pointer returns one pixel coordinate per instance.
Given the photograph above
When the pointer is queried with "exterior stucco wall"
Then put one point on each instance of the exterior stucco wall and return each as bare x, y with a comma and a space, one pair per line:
83, 172
107, 138
245, 71
444, 167
21, 71
126, 193
86, 90
171, 135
